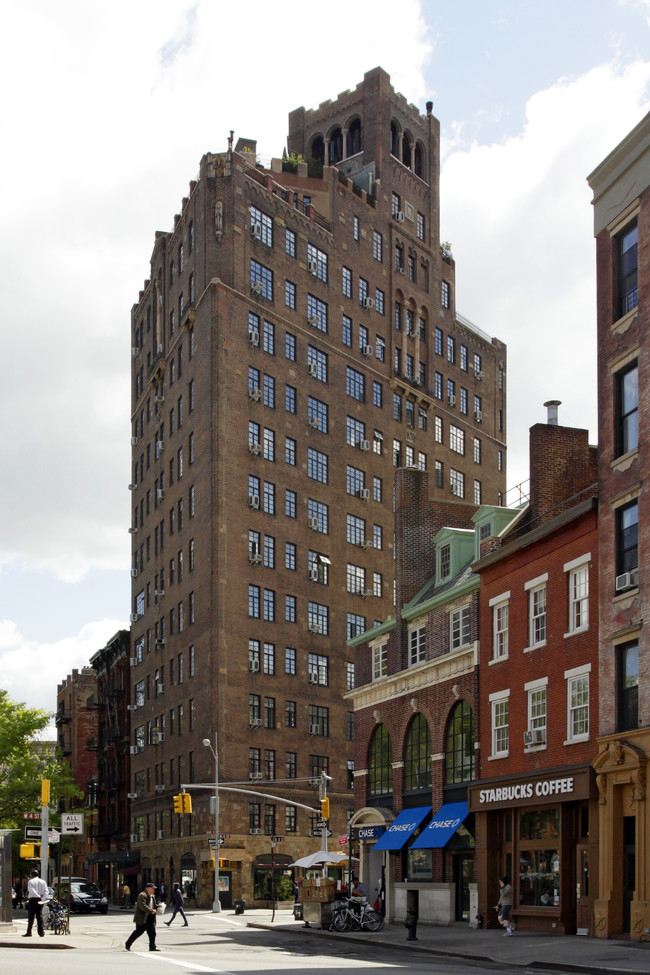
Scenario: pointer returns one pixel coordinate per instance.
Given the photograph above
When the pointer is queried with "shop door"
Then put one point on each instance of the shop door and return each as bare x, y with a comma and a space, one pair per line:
629, 867
584, 897
225, 889
464, 876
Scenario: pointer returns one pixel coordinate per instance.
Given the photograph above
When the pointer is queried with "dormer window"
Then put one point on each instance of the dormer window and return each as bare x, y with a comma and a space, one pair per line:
445, 561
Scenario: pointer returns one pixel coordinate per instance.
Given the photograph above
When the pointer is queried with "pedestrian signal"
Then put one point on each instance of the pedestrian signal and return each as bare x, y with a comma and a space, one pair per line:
30, 851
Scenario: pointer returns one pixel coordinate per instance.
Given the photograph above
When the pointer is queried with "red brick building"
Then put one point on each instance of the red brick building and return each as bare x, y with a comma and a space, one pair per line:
535, 806
621, 186
296, 341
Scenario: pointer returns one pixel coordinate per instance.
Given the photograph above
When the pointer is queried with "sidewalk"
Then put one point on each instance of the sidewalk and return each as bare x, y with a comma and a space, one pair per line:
541, 952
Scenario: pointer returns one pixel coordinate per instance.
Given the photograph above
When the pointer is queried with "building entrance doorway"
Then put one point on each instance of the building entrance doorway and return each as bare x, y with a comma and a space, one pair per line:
629, 868
463, 876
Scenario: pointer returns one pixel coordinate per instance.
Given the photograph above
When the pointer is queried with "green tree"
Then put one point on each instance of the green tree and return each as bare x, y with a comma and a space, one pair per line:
24, 761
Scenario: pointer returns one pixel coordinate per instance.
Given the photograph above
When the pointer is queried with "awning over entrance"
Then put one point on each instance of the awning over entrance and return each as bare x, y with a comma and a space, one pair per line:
442, 827
401, 828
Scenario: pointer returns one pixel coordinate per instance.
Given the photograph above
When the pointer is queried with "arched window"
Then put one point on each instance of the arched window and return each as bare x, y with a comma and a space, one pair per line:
417, 755
354, 138
394, 140
419, 161
318, 149
406, 150
380, 759
459, 745
336, 146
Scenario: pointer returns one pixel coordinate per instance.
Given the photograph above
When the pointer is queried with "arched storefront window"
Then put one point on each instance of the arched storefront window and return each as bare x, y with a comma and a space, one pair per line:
459, 745
417, 755
188, 874
380, 767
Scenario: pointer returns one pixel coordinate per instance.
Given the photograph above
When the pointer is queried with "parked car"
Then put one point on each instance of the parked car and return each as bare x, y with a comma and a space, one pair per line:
84, 897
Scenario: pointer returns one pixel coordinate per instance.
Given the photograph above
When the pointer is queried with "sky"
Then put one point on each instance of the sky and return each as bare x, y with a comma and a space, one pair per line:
107, 111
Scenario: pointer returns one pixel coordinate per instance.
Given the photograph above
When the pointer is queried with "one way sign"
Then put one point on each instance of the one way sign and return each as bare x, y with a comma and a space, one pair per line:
72, 823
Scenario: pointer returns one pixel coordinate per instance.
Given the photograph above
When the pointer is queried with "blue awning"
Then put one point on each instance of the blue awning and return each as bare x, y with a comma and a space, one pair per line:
442, 827
401, 828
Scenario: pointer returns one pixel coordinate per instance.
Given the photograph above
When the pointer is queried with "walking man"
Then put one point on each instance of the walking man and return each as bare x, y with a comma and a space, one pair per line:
36, 893
177, 901
145, 917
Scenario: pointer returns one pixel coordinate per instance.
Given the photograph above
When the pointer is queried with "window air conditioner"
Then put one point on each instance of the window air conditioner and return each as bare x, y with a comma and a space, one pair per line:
157, 736
315, 628
134, 441
255, 723
366, 592
134, 838
160, 834
133, 487
132, 795
364, 445
160, 644
133, 531
627, 580
367, 351
313, 524
312, 319
134, 619
160, 494
312, 368
132, 707
478, 374
160, 350
368, 303
159, 400
314, 729
160, 689
313, 677
478, 416
254, 337
255, 831
313, 573
255, 394
254, 501
253, 666
254, 558
159, 593
257, 287
451, 400
254, 448
312, 267
364, 494
160, 788
313, 422
134, 750
135, 351
160, 445
134, 573
256, 230
399, 216
534, 736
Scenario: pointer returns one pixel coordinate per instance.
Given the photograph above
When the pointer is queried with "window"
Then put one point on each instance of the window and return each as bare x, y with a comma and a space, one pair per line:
290, 347
317, 361
363, 291
355, 384
349, 676
289, 294
379, 661
290, 714
628, 296
536, 691
356, 579
445, 294
396, 204
290, 451
417, 645
420, 226
317, 668
317, 312
355, 432
346, 282
317, 465
269, 712
269, 605
318, 514
380, 765
380, 302
261, 226
456, 439
377, 245
457, 483
628, 686
356, 625
377, 394
577, 703
318, 618
500, 725
464, 401
290, 243
268, 445
578, 593
346, 331
463, 358
317, 262
261, 280
290, 765
290, 661
355, 228
269, 390
437, 385
319, 720
268, 338
417, 755
268, 498
459, 628
290, 399
536, 612
269, 551
478, 492
627, 409
290, 609
477, 450
627, 537
356, 530
254, 601
459, 745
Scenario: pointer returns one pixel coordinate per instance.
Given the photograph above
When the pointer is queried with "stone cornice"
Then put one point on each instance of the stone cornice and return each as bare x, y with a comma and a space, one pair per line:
450, 666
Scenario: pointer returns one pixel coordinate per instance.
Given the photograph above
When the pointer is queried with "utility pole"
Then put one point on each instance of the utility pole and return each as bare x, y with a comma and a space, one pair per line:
45, 826
216, 903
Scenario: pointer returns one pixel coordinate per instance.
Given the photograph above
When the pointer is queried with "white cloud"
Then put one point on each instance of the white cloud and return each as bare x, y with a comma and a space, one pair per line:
519, 217
32, 671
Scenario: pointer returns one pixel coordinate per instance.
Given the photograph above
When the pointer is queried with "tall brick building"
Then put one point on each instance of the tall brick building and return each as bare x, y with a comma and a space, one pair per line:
621, 186
296, 342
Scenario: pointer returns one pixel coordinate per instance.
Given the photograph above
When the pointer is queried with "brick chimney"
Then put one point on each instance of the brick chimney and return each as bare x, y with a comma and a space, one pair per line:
562, 464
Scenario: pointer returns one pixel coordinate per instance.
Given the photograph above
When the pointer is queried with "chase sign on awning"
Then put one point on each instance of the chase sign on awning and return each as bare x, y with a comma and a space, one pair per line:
402, 828
442, 827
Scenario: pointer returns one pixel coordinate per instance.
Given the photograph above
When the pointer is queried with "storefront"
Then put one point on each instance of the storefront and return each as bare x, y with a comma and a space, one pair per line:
540, 831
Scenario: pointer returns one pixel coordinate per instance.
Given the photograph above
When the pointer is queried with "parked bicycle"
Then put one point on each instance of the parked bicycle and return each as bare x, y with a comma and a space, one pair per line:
354, 914
56, 919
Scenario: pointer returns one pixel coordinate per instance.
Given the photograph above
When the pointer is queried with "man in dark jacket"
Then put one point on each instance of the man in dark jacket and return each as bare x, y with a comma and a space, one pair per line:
177, 901
145, 917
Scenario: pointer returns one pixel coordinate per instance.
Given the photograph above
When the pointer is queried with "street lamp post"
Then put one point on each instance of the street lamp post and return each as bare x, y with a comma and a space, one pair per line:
216, 903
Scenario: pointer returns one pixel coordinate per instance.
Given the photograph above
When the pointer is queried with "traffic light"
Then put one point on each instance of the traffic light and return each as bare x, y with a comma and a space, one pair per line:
45, 792
224, 864
187, 802
325, 808
178, 803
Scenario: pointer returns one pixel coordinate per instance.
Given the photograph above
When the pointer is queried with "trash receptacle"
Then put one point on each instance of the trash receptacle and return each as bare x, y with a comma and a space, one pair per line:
297, 911
240, 906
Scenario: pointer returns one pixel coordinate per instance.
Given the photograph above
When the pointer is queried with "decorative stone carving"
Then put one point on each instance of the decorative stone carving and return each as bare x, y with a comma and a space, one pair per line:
218, 219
